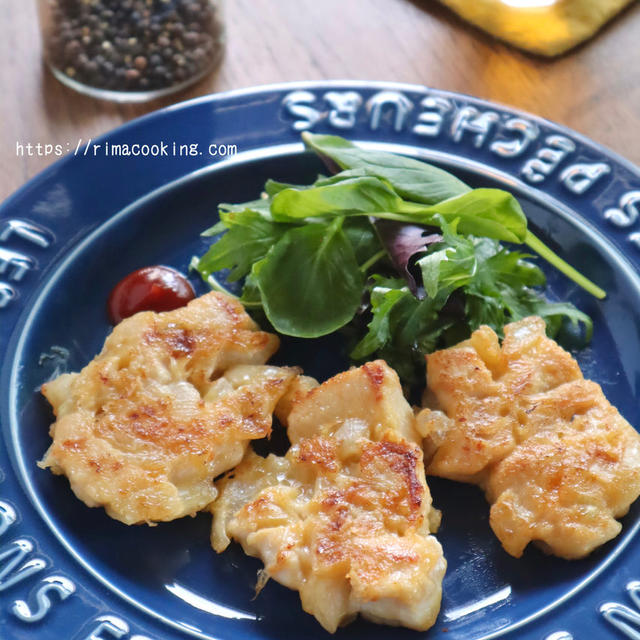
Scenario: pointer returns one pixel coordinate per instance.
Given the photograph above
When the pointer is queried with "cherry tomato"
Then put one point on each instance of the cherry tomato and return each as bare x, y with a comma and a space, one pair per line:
156, 288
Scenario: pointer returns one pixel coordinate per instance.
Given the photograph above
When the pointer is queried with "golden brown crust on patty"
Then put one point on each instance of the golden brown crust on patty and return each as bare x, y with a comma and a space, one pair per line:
557, 461
171, 402
345, 516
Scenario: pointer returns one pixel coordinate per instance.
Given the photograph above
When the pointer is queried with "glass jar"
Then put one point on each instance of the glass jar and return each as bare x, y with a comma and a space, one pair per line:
131, 50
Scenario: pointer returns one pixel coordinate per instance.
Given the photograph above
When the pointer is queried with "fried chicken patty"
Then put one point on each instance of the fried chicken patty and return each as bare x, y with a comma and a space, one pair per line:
556, 460
171, 402
345, 516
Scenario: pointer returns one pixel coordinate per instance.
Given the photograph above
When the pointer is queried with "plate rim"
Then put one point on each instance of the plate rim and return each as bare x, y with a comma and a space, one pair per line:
60, 164
310, 84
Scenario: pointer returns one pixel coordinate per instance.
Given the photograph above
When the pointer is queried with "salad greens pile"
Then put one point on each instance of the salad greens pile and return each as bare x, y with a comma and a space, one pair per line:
402, 253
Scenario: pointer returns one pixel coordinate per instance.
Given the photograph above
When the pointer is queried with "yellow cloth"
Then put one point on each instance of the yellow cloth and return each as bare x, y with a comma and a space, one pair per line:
547, 27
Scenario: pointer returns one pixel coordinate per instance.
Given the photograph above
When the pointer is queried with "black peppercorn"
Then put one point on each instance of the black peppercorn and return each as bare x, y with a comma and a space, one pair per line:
133, 45
140, 63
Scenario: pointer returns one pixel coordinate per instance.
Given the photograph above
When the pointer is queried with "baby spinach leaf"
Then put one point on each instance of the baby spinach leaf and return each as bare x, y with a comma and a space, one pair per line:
412, 179
323, 181
362, 237
216, 229
491, 213
305, 251
273, 187
360, 195
482, 212
310, 281
261, 206
488, 212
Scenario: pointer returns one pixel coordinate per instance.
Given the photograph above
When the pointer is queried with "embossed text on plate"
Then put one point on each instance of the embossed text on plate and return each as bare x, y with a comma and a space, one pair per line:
298, 104
26, 230
622, 617
14, 263
431, 119
628, 212
580, 177
8, 516
110, 627
345, 105
479, 124
16, 564
548, 158
524, 133
393, 101
41, 597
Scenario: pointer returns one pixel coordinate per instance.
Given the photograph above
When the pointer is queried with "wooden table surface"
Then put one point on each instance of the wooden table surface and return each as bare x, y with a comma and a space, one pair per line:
595, 89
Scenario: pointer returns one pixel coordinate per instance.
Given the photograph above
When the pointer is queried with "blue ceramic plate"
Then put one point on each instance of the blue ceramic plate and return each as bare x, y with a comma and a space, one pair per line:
70, 573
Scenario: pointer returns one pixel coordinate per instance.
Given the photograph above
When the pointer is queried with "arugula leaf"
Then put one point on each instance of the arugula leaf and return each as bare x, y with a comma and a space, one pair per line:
309, 282
412, 179
451, 264
555, 312
305, 250
492, 283
430, 268
402, 328
501, 292
508, 266
384, 296
421, 325
248, 238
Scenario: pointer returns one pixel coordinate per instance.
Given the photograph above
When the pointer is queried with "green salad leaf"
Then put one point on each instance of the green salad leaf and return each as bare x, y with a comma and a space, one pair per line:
412, 179
469, 282
249, 235
403, 252
310, 281
483, 212
353, 196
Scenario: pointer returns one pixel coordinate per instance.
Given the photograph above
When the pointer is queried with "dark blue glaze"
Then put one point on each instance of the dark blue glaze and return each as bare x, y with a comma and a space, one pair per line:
109, 216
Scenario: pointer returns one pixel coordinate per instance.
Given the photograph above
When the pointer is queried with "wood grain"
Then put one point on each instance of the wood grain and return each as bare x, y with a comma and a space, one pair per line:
595, 89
